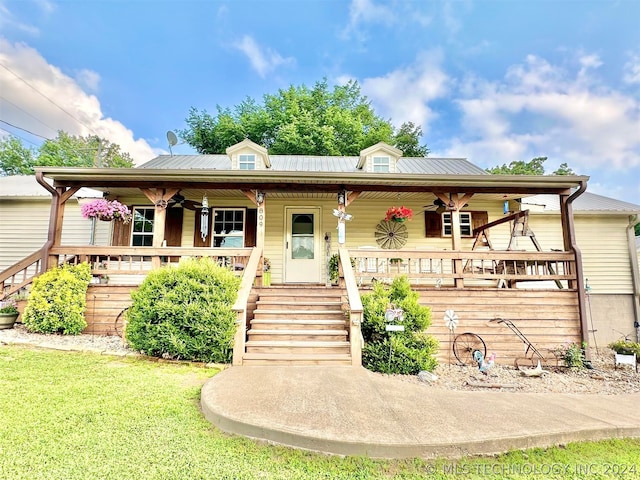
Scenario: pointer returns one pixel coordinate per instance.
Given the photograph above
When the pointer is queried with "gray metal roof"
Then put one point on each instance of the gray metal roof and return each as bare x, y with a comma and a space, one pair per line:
587, 202
309, 163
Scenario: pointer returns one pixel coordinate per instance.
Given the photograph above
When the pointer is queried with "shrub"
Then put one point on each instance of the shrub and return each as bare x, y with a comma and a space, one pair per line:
406, 352
58, 300
334, 271
572, 354
185, 312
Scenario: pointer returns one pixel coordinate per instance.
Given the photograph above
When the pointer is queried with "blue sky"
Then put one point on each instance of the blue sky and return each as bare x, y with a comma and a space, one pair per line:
492, 81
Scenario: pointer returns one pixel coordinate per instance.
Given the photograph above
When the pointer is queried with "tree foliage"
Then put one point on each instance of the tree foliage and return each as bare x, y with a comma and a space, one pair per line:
63, 151
533, 167
301, 121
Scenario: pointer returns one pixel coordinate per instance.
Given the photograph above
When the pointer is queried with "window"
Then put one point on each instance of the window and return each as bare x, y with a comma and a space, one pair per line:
142, 234
247, 162
228, 228
302, 237
465, 224
381, 164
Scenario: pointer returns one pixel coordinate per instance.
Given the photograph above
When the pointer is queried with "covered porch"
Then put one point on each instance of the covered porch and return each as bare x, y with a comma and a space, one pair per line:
477, 280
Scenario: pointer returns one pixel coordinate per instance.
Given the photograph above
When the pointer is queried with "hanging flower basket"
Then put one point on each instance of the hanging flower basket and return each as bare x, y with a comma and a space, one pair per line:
106, 210
399, 214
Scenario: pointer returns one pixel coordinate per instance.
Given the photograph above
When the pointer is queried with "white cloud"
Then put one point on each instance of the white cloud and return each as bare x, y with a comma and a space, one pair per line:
632, 69
88, 79
404, 94
263, 60
9, 21
540, 109
61, 103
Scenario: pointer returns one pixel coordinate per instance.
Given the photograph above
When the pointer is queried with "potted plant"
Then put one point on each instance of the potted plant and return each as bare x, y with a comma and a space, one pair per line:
398, 214
104, 279
106, 210
626, 352
8, 313
266, 272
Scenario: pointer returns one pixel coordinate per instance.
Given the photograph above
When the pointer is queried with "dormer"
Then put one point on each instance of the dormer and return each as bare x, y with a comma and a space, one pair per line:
379, 158
248, 155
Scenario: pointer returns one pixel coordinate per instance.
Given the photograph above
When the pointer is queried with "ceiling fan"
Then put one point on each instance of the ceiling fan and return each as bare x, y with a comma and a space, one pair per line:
179, 201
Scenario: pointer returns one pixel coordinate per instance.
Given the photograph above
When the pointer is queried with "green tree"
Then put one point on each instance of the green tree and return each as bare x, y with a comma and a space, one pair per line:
533, 167
15, 158
564, 169
519, 167
302, 121
63, 151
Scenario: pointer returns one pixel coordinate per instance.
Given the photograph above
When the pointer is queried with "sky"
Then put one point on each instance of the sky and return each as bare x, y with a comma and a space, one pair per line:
491, 81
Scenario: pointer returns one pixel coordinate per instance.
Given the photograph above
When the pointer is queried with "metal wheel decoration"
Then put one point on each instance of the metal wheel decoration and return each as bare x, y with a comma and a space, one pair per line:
391, 235
120, 322
465, 344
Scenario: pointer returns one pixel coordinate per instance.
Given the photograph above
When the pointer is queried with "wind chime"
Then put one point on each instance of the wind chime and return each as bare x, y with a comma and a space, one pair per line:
204, 218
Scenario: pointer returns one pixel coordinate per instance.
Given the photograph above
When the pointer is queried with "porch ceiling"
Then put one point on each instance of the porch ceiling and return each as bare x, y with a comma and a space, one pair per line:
279, 183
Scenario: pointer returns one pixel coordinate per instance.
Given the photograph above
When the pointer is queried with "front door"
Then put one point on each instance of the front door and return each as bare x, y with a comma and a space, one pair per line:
303, 253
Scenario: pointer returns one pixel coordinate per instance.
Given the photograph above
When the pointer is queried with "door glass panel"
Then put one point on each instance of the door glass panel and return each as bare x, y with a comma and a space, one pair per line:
302, 236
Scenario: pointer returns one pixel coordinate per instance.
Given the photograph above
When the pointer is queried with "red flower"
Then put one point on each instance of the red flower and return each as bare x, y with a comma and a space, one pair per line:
399, 214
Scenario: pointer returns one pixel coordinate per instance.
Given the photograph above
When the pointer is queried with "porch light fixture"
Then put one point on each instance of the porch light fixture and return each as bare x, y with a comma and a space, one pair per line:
260, 197
342, 196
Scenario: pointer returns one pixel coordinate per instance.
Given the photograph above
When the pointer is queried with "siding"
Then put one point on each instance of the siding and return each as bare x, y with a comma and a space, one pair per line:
24, 225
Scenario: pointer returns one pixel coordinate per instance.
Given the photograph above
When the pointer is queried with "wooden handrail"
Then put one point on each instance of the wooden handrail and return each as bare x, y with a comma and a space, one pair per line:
34, 260
240, 305
355, 307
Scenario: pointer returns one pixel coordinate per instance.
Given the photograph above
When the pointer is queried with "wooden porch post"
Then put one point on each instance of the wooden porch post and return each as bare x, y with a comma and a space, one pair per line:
160, 198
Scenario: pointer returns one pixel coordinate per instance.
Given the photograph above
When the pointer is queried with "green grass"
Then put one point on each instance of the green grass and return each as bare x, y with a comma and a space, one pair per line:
84, 416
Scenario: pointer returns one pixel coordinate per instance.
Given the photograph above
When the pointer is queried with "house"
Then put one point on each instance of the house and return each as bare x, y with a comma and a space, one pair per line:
299, 211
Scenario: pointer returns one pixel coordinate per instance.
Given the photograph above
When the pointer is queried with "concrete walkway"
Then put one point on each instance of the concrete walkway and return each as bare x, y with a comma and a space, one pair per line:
351, 411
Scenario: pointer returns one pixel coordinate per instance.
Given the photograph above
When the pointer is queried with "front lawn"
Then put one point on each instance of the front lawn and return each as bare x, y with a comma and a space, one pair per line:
84, 416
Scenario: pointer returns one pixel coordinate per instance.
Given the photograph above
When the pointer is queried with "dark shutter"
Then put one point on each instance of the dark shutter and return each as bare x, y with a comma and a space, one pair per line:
432, 224
173, 227
478, 219
250, 227
121, 236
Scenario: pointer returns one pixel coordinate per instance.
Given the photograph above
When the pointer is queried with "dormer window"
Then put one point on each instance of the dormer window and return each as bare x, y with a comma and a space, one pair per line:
247, 162
381, 164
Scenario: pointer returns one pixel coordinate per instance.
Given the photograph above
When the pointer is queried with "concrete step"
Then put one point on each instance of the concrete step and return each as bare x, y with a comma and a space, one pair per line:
297, 335
291, 346
253, 359
300, 324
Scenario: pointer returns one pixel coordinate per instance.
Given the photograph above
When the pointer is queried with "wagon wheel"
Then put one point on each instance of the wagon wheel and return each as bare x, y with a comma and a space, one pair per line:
547, 357
120, 322
391, 235
465, 344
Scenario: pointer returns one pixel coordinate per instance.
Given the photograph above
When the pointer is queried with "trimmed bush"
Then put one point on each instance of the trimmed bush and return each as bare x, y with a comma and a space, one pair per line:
58, 300
411, 350
185, 312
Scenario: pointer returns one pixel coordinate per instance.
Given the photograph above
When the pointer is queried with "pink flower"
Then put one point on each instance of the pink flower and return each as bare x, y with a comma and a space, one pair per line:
106, 210
399, 213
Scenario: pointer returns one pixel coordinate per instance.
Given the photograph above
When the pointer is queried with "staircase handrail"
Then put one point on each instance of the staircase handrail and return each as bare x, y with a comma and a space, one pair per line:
240, 305
14, 270
355, 307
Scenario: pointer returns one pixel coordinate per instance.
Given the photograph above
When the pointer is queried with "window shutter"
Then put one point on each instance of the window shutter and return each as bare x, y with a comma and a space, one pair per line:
478, 219
250, 227
121, 236
432, 224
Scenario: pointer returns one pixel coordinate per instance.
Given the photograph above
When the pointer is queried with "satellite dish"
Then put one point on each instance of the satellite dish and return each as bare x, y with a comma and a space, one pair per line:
173, 140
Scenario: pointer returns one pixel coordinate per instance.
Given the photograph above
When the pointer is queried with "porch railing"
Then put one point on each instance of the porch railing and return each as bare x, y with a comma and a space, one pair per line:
21, 274
141, 260
459, 268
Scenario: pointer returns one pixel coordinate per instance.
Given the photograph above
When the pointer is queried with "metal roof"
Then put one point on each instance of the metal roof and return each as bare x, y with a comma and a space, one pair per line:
26, 186
311, 163
587, 202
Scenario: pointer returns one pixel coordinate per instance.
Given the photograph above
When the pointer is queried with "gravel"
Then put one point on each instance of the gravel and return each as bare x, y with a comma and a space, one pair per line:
602, 379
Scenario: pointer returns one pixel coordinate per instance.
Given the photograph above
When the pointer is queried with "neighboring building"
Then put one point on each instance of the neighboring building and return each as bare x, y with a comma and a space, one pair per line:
24, 219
